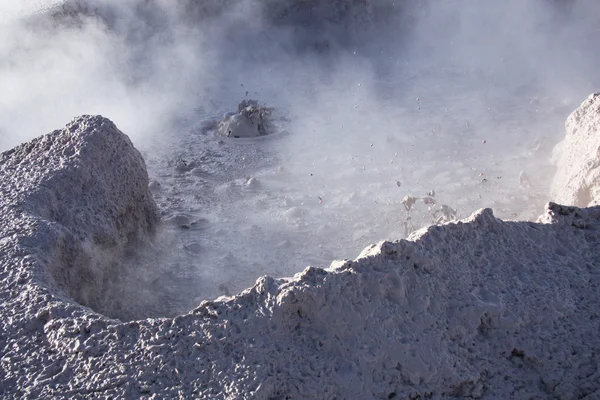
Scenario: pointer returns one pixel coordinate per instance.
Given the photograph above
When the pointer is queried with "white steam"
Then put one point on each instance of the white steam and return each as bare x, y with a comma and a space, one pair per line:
382, 99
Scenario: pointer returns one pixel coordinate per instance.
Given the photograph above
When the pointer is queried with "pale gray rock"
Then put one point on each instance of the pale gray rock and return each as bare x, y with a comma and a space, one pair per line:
82, 196
479, 308
577, 180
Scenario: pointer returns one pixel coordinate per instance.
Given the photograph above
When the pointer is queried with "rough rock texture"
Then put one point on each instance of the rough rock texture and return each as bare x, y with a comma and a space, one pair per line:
577, 180
73, 202
479, 308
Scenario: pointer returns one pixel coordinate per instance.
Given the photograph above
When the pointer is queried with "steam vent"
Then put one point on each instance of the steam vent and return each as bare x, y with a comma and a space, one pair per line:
479, 308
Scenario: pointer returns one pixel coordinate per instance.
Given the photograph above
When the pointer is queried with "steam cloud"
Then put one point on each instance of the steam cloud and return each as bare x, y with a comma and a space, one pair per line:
375, 92
143, 65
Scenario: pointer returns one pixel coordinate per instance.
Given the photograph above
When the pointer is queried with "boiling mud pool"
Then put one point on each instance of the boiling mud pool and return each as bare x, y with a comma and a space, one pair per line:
332, 182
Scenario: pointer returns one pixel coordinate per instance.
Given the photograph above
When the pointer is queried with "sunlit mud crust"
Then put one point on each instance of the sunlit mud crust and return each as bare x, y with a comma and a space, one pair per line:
480, 308
251, 122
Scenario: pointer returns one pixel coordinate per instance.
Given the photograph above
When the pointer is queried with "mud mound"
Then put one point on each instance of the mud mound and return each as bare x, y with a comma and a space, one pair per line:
79, 200
251, 120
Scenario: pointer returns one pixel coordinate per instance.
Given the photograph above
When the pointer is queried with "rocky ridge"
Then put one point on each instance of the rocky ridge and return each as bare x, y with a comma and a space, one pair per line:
478, 308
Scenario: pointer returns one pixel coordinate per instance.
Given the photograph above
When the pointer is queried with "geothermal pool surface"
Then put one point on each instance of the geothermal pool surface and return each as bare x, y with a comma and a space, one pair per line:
236, 209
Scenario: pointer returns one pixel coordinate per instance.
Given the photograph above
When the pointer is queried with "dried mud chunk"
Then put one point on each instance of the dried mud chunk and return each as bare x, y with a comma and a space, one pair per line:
251, 120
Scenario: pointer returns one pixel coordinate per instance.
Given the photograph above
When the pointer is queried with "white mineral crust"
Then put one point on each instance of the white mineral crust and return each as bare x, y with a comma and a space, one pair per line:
577, 180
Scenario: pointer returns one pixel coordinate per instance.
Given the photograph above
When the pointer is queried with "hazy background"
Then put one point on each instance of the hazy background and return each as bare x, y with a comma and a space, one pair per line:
145, 63
381, 99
